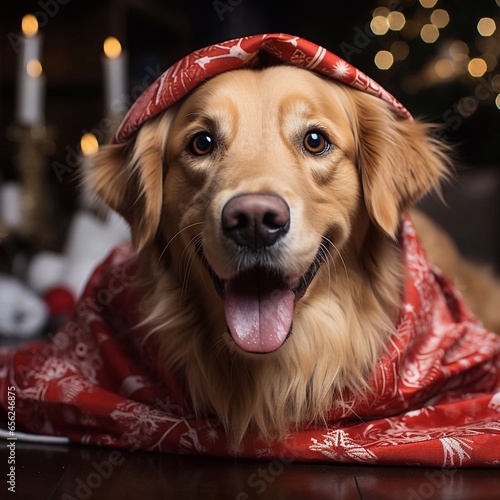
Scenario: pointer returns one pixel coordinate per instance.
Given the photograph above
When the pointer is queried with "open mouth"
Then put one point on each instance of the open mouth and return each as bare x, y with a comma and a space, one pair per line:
259, 303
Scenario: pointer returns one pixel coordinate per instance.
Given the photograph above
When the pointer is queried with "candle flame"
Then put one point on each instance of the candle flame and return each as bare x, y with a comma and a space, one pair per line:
34, 68
112, 47
89, 144
29, 25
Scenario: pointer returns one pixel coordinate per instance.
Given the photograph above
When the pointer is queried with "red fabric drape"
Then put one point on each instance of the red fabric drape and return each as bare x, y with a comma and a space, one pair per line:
435, 400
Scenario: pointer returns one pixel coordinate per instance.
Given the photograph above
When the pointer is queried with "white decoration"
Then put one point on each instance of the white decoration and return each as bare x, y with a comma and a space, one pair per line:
45, 271
89, 241
22, 313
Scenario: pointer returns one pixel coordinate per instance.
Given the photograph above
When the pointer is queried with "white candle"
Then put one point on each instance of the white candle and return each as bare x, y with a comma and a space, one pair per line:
31, 95
115, 66
10, 205
30, 42
31, 83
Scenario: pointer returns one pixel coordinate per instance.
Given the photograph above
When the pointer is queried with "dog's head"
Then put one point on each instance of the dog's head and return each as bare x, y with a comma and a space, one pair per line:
265, 174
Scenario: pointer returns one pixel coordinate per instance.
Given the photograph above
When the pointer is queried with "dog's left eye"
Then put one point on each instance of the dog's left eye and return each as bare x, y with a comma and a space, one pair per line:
316, 143
202, 144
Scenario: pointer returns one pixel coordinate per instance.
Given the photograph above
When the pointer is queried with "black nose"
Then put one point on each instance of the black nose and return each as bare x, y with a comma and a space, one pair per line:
255, 220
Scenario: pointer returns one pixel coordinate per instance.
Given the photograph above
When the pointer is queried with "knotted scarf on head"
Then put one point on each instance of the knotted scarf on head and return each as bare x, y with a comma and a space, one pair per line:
252, 51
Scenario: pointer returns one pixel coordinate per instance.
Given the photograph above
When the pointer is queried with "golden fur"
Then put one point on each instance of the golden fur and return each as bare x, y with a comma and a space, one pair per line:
477, 284
378, 165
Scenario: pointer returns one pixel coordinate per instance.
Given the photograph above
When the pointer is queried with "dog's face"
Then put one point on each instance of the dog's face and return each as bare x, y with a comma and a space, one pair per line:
267, 174
266, 162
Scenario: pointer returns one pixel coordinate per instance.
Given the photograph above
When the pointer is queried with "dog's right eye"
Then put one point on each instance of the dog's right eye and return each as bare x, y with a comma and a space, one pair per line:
202, 144
316, 143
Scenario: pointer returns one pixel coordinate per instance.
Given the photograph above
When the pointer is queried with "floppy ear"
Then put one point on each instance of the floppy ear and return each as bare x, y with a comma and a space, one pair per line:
399, 161
129, 178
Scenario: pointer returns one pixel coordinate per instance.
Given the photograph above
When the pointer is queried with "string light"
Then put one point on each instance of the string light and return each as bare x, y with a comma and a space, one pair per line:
396, 21
459, 51
379, 25
381, 11
400, 50
384, 59
29, 25
444, 68
477, 67
440, 18
89, 144
429, 33
486, 26
454, 59
428, 4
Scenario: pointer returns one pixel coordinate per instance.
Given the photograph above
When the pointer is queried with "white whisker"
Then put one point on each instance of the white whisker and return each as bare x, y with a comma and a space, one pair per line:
189, 260
172, 239
329, 258
340, 256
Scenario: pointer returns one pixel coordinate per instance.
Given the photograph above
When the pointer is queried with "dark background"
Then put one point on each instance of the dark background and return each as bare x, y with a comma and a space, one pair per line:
155, 33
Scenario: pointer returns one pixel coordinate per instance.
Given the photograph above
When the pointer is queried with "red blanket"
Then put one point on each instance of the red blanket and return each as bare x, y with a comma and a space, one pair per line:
435, 401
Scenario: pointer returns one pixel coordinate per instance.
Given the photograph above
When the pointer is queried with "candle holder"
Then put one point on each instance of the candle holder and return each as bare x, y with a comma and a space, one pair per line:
34, 144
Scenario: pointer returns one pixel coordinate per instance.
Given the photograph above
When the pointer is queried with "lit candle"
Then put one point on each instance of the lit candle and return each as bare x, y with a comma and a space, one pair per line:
114, 63
32, 93
31, 82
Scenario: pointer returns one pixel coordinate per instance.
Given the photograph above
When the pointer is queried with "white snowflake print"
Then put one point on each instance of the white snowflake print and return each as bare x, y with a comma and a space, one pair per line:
337, 445
341, 69
212, 434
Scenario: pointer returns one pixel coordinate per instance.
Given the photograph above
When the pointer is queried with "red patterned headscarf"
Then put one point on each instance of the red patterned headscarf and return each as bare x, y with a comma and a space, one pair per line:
436, 389
251, 51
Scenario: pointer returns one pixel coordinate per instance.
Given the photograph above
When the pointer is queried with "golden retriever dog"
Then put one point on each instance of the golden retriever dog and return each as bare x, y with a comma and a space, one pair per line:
264, 208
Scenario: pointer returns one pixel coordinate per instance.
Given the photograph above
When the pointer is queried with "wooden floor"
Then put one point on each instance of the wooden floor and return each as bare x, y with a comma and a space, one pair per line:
70, 472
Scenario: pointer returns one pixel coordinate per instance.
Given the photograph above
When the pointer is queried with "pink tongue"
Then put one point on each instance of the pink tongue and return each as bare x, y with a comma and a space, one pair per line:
259, 310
